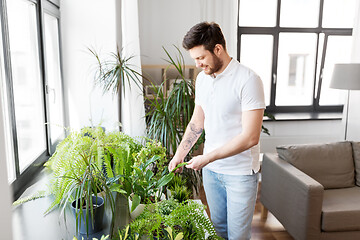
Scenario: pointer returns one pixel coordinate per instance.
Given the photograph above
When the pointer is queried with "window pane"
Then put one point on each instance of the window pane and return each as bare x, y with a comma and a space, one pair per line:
256, 53
5, 135
339, 14
296, 63
27, 87
54, 78
250, 14
338, 50
299, 13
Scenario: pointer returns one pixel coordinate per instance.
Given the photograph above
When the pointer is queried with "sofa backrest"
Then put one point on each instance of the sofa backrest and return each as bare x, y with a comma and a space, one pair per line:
331, 164
356, 154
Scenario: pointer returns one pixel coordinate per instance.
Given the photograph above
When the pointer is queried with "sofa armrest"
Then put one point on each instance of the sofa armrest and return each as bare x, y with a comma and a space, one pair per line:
293, 197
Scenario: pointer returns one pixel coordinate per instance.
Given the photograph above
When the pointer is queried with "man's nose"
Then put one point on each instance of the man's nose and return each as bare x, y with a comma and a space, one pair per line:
198, 64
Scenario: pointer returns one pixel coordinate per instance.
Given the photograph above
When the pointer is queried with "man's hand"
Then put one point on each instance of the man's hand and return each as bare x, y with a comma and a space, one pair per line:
198, 162
174, 162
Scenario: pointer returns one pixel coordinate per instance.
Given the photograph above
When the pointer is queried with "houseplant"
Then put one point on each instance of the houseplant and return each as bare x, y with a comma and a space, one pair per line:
114, 72
187, 218
169, 115
92, 161
77, 176
178, 188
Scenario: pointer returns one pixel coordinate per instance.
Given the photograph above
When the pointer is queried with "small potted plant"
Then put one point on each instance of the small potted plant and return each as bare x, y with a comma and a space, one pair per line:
187, 218
78, 178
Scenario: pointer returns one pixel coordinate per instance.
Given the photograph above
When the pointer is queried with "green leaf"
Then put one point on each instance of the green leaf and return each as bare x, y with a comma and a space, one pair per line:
179, 166
149, 174
179, 236
165, 180
117, 188
135, 202
169, 230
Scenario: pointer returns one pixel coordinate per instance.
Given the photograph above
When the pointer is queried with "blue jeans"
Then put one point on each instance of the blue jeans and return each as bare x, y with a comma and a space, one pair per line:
231, 200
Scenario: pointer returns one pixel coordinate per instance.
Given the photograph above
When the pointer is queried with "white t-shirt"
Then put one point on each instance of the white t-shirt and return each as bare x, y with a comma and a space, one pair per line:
223, 99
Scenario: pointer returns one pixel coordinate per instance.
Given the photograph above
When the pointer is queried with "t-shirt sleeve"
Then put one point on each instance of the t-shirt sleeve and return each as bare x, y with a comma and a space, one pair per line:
197, 90
252, 94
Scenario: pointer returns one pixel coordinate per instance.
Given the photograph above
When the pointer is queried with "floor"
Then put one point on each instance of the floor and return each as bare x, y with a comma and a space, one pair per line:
30, 224
269, 229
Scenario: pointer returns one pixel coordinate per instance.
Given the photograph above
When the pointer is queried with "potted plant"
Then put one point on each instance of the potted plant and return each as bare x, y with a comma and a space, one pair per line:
187, 218
178, 188
168, 116
91, 161
77, 177
168, 235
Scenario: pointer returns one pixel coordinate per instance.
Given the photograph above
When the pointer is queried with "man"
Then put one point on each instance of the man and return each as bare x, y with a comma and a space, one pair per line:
229, 106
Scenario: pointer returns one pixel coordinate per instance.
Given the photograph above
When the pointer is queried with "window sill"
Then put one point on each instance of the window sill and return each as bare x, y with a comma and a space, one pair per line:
304, 116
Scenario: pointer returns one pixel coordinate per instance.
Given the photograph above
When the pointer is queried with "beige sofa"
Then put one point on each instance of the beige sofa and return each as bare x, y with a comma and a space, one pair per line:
314, 190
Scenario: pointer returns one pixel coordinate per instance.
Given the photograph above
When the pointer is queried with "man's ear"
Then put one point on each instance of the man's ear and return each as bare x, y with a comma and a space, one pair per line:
218, 49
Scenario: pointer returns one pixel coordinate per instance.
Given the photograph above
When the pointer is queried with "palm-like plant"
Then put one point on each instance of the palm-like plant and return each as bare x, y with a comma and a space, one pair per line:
169, 116
77, 173
113, 73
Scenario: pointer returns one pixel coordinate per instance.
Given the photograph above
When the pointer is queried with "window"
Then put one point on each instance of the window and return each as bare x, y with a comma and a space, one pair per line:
32, 95
293, 46
5, 133
53, 79
27, 81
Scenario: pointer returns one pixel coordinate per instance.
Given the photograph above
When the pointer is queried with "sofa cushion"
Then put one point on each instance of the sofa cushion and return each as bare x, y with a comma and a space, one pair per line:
341, 210
331, 164
356, 152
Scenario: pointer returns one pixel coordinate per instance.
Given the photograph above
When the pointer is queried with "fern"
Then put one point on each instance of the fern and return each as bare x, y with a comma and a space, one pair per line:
39, 194
191, 217
187, 217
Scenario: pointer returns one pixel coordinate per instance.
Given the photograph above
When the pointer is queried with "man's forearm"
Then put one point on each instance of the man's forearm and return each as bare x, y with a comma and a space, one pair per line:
192, 134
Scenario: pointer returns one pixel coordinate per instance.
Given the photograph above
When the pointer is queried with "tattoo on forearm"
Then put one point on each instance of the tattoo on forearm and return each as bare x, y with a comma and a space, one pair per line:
193, 136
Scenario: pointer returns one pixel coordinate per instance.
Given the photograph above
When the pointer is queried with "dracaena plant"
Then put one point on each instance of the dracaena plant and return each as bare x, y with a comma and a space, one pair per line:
115, 70
169, 115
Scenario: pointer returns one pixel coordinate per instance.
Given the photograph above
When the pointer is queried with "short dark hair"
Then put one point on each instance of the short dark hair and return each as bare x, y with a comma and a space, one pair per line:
206, 34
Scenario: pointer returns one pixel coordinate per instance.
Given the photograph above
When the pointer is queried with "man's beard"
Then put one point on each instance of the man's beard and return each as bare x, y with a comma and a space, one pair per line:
217, 65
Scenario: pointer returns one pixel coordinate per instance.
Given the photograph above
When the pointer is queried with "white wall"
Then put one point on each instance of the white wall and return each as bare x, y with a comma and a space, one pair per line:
87, 24
353, 132
165, 22
300, 132
5, 206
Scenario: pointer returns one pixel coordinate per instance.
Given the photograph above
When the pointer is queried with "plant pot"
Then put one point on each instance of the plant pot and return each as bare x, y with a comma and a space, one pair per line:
137, 211
121, 216
94, 223
140, 208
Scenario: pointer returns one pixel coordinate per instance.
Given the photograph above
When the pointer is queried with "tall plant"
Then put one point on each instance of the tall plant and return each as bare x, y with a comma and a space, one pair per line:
169, 116
112, 73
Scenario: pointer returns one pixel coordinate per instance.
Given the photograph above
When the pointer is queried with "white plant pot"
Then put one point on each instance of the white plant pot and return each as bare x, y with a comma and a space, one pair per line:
137, 211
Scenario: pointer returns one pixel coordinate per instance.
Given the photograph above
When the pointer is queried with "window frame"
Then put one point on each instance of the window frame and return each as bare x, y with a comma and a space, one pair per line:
23, 179
50, 8
275, 32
